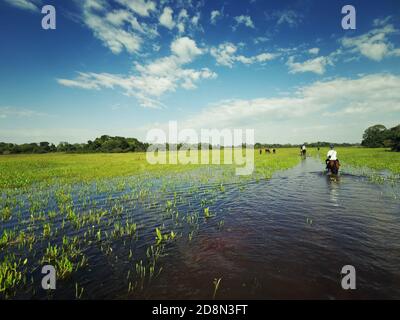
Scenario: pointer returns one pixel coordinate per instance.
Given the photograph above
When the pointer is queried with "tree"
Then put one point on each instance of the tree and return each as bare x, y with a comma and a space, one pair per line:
395, 138
375, 136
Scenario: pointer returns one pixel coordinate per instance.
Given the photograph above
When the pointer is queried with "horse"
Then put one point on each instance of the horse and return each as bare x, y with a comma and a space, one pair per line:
333, 166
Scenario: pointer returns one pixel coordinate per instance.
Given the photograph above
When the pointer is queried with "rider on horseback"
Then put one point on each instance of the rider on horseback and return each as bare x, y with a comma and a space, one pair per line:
332, 162
303, 150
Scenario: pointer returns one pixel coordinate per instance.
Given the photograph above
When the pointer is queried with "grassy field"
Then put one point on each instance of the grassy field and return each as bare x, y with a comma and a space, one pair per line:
18, 171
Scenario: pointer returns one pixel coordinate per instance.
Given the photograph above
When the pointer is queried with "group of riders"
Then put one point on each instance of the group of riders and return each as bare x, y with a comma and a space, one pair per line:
332, 161
268, 151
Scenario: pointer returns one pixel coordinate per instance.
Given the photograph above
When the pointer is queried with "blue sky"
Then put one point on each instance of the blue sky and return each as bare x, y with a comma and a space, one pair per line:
122, 67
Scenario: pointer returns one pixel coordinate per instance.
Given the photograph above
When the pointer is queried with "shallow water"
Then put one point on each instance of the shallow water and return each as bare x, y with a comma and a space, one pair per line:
287, 237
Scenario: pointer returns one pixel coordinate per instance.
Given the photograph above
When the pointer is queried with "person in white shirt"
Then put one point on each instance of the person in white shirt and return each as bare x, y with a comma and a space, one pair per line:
303, 150
332, 154
332, 162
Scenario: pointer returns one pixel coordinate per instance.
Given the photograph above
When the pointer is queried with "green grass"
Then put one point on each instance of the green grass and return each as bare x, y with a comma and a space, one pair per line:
18, 171
23, 170
367, 158
267, 164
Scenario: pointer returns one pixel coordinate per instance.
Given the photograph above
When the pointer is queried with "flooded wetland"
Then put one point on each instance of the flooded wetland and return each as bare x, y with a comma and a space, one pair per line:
202, 233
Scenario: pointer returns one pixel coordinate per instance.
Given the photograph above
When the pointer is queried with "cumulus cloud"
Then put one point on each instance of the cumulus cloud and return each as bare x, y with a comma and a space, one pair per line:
374, 44
214, 16
195, 19
185, 49
153, 79
316, 65
24, 4
313, 51
140, 7
183, 22
109, 27
226, 55
166, 18
244, 20
370, 94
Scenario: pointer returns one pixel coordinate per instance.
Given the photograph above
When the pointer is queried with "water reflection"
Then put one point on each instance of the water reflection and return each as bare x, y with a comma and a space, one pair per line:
333, 183
301, 228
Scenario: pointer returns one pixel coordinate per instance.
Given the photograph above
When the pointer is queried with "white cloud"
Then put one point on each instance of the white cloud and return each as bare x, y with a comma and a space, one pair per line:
316, 65
6, 112
313, 51
264, 57
24, 4
183, 22
225, 55
288, 17
166, 18
108, 27
185, 49
54, 134
325, 102
141, 7
183, 15
195, 19
245, 20
373, 44
214, 15
258, 40
119, 18
381, 21
152, 80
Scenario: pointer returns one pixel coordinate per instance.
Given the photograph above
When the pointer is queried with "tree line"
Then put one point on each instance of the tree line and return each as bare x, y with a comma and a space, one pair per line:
374, 137
378, 136
318, 144
103, 144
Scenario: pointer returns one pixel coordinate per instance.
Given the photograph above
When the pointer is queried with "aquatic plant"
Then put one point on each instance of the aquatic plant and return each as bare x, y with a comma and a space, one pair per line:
10, 274
207, 213
7, 238
65, 259
159, 236
5, 213
46, 230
